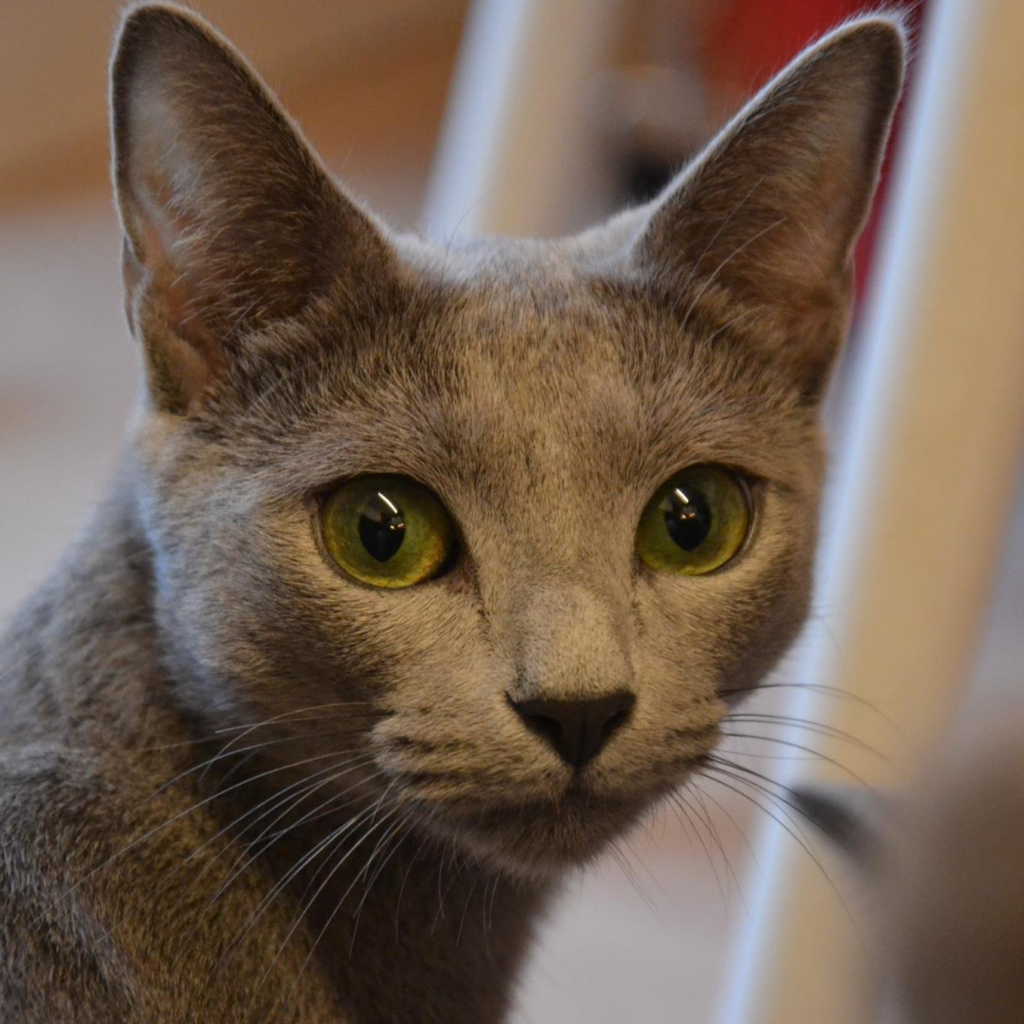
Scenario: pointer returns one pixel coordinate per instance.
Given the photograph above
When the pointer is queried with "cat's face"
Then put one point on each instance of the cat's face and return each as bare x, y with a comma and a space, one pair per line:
544, 414
542, 392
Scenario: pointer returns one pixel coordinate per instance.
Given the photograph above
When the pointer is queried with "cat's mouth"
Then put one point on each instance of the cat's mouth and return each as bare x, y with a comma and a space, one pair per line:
541, 824
547, 835
543, 835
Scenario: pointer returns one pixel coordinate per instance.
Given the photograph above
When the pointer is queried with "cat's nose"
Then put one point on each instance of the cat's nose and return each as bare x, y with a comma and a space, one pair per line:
576, 729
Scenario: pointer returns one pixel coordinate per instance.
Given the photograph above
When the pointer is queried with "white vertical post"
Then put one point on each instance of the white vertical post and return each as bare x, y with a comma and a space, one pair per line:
926, 474
514, 136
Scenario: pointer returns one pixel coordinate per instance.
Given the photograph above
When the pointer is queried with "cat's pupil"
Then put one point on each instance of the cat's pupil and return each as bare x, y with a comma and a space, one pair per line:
687, 517
381, 527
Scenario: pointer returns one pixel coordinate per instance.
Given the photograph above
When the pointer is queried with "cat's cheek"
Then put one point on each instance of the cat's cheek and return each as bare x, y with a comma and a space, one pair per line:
702, 637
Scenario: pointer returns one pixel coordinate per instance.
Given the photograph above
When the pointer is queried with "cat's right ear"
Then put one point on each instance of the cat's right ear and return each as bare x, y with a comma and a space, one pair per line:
758, 233
231, 224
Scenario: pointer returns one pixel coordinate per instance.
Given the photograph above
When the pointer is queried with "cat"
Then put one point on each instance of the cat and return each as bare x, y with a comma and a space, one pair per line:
428, 569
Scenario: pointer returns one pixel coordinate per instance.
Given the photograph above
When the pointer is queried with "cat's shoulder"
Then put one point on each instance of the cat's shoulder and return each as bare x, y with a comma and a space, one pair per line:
57, 961
41, 782
93, 895
59, 814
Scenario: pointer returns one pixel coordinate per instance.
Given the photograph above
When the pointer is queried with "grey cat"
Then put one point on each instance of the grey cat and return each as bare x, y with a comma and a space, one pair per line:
429, 569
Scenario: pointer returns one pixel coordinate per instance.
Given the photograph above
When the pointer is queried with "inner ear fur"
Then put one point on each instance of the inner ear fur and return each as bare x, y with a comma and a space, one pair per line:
230, 220
759, 231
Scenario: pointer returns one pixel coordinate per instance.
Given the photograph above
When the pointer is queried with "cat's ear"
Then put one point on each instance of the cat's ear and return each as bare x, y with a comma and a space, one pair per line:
231, 223
760, 230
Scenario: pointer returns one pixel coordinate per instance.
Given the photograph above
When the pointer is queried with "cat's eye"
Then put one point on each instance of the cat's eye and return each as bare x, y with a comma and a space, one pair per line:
387, 531
696, 521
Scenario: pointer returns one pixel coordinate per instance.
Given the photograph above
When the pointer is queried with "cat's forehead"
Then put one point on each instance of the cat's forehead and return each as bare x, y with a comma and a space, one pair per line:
526, 345
516, 370
517, 362
592, 369
537, 308
545, 326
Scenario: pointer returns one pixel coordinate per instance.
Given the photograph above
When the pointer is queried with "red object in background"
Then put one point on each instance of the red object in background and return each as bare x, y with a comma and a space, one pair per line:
747, 41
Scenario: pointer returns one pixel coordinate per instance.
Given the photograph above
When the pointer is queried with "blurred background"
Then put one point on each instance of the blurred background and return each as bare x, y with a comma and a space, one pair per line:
382, 91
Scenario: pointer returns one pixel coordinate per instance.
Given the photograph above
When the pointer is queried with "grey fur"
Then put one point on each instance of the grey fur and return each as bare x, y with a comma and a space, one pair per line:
544, 390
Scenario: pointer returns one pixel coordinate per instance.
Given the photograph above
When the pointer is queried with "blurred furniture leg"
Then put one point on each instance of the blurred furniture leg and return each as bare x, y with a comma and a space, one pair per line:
925, 476
515, 143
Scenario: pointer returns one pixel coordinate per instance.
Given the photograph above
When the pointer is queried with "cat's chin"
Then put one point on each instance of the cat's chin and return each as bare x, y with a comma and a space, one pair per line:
543, 838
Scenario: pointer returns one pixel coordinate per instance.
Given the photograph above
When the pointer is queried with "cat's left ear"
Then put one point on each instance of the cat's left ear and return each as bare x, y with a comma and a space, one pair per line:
231, 223
759, 232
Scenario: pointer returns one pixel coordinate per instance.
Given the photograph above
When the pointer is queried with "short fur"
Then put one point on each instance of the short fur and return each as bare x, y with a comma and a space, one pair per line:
544, 390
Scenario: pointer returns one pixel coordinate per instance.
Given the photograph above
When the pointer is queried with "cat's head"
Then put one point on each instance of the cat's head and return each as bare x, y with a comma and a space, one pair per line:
489, 528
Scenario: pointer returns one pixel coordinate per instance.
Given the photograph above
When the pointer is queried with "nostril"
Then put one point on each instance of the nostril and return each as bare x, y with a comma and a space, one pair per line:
618, 719
618, 708
549, 728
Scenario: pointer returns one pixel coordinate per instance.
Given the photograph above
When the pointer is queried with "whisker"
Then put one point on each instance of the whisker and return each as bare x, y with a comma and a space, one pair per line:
622, 859
695, 817
489, 914
181, 814
384, 859
306, 788
807, 725
686, 819
276, 799
291, 715
216, 736
804, 749
280, 885
337, 867
761, 783
791, 828
823, 689
449, 855
801, 842
277, 719
709, 824
223, 753
735, 824
465, 909
424, 841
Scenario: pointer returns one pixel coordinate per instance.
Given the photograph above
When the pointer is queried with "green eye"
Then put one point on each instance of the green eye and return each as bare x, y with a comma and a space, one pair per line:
696, 521
387, 531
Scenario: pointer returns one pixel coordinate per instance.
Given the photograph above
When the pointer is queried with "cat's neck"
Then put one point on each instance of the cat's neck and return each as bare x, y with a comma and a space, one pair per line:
404, 928
402, 923
424, 929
